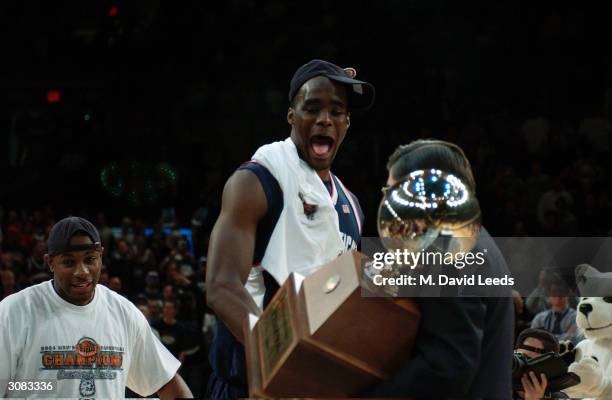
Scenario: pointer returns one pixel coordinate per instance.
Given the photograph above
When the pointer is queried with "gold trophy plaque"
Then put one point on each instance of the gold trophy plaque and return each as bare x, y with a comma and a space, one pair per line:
327, 339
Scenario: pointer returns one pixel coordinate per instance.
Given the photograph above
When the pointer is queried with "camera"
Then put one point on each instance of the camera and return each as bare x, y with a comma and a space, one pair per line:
553, 365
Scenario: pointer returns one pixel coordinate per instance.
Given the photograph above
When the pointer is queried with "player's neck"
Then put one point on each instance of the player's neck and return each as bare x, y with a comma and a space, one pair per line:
63, 295
324, 174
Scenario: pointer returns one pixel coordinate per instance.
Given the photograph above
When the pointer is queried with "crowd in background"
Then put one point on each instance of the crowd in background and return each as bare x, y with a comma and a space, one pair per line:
164, 274
537, 176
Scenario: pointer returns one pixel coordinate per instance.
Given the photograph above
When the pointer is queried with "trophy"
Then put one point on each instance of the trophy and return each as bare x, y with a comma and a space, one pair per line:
333, 333
320, 337
429, 209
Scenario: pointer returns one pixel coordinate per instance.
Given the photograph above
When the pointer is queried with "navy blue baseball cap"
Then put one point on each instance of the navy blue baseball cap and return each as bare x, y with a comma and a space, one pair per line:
64, 230
360, 94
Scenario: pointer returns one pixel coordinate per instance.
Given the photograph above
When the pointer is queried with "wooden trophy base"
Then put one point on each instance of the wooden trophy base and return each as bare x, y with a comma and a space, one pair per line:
326, 339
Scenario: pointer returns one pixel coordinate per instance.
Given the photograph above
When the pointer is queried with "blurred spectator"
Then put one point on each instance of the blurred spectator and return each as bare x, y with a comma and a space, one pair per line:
115, 284
122, 263
14, 250
144, 254
147, 313
142, 261
152, 284
179, 255
127, 232
104, 278
37, 270
155, 309
560, 319
106, 233
537, 301
176, 277
172, 333
8, 284
141, 300
168, 293
522, 316
185, 343
123, 251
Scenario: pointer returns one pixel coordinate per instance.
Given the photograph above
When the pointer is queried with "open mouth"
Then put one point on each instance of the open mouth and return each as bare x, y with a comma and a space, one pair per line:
81, 287
321, 145
601, 327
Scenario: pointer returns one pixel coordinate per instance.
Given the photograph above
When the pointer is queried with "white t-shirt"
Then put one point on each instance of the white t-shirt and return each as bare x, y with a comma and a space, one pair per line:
91, 351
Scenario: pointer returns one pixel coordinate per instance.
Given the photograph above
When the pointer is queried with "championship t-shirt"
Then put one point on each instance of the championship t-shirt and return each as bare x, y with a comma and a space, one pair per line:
92, 351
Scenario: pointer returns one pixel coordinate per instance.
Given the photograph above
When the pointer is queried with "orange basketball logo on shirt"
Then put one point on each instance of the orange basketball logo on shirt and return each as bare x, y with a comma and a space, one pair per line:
87, 347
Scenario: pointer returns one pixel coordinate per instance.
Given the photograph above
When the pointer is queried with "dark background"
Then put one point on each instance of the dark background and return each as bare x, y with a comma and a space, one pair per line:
160, 101
134, 114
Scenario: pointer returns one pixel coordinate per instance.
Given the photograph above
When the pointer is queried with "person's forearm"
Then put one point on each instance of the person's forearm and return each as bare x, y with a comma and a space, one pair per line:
176, 388
232, 304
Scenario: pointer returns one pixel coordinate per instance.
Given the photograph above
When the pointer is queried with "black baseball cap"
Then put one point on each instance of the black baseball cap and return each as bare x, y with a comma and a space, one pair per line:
360, 94
64, 230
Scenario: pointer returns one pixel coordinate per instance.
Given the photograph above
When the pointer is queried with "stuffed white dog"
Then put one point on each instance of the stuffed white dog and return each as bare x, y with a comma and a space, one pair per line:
593, 362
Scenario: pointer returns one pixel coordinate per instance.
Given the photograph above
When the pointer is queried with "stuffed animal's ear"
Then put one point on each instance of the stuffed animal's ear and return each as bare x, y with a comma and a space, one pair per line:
585, 273
580, 272
591, 282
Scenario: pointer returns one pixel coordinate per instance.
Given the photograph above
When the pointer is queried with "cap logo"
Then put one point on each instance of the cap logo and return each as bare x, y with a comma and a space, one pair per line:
360, 94
350, 72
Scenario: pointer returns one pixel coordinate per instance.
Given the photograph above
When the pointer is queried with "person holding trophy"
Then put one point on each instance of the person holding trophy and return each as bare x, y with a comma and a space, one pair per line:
460, 339
282, 212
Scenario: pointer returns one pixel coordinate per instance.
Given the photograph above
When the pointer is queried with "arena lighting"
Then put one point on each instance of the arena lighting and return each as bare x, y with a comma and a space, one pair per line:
113, 11
53, 96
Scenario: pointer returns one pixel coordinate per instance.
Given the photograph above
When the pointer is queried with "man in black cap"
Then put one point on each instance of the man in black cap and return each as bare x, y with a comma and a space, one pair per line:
80, 338
534, 343
282, 212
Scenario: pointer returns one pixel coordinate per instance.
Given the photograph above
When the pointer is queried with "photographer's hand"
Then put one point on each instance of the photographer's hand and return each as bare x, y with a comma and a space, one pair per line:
533, 387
